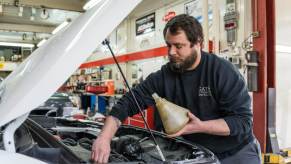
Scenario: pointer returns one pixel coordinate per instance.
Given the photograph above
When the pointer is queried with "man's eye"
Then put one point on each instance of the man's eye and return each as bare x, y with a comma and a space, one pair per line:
178, 46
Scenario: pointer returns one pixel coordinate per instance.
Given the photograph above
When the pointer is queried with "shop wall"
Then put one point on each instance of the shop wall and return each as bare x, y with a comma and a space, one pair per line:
124, 39
153, 39
117, 78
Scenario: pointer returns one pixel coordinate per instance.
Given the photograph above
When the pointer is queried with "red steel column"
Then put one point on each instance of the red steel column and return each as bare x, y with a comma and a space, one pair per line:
264, 23
271, 43
260, 97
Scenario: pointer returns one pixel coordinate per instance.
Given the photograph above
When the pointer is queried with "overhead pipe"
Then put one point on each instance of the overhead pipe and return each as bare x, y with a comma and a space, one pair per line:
215, 26
205, 24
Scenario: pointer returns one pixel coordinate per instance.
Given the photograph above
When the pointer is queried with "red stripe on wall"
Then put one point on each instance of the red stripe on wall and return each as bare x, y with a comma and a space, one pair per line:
155, 52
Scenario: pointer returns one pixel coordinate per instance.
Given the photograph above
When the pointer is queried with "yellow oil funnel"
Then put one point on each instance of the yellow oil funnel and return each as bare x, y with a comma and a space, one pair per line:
174, 117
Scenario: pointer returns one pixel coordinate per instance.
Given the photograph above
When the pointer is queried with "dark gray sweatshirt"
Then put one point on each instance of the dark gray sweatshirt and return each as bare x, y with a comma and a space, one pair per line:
214, 89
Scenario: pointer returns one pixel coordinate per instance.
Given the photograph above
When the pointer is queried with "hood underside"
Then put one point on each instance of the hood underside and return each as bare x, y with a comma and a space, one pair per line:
49, 66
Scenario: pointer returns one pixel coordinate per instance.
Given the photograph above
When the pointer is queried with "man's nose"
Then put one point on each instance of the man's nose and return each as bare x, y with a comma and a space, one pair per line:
172, 51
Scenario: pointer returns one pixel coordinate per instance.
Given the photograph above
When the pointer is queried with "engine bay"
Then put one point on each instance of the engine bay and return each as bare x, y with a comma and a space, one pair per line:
70, 141
130, 144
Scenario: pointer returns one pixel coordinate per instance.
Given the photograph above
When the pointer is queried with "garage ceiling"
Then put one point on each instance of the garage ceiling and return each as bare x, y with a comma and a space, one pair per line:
30, 21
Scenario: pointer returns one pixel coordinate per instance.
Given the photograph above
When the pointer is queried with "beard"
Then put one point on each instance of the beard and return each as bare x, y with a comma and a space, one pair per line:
184, 65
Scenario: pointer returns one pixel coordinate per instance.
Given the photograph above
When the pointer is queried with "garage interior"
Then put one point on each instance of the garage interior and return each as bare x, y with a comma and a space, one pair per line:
233, 30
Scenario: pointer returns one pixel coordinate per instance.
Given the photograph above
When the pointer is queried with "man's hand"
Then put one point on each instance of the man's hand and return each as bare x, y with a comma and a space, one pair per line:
101, 146
195, 125
101, 150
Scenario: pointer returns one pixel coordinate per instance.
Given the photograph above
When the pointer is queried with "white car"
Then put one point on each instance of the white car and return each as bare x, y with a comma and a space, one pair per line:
38, 77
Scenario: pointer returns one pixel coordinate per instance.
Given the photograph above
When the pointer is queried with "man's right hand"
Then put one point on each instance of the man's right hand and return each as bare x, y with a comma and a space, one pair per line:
101, 146
101, 150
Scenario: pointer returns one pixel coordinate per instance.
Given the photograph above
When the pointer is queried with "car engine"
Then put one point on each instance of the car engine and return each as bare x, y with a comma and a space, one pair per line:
58, 140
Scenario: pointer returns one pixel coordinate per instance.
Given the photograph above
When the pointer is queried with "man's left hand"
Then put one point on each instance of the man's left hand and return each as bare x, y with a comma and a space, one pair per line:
195, 125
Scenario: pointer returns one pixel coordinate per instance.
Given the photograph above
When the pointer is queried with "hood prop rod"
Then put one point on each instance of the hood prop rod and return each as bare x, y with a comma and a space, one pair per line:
106, 42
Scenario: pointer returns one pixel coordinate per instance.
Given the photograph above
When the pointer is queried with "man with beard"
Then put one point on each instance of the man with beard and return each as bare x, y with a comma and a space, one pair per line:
210, 87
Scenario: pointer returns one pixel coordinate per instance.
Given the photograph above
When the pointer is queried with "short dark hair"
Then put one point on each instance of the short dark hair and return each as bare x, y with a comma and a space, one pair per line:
189, 24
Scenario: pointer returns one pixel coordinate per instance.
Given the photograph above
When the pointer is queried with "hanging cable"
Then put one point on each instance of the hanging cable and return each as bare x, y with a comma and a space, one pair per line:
106, 42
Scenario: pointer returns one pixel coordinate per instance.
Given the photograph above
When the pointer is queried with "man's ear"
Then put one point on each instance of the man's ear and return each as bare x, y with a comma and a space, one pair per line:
197, 45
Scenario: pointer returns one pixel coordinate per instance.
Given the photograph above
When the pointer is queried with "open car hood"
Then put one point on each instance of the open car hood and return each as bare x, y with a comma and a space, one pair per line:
49, 66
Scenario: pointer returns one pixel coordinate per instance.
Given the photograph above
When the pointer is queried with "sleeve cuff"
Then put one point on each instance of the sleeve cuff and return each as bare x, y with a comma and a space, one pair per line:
118, 114
230, 121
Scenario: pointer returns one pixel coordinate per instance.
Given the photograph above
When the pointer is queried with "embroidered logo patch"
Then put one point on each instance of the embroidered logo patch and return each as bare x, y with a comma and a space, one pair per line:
204, 91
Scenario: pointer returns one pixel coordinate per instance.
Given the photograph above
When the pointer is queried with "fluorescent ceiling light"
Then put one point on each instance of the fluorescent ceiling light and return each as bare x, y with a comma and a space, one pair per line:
41, 42
32, 16
61, 26
282, 48
20, 12
91, 4
16, 44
